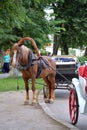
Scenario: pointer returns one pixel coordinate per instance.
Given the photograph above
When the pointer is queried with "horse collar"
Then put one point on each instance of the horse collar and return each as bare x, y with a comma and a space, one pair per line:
31, 56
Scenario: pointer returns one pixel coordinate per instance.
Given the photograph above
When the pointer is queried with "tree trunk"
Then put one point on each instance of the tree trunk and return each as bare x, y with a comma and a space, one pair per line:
55, 45
85, 52
65, 48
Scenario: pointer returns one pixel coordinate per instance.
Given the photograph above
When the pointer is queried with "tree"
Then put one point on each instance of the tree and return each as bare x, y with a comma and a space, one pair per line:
70, 24
85, 52
36, 25
12, 15
22, 18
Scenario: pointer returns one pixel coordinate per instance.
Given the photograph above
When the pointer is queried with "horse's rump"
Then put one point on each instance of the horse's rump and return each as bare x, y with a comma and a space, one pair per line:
50, 67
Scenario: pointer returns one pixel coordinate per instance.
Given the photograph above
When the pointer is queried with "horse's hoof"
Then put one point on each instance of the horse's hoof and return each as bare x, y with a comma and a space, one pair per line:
26, 102
51, 101
47, 101
33, 103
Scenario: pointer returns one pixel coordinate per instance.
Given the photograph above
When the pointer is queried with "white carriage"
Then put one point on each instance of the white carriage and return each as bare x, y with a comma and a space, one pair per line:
78, 95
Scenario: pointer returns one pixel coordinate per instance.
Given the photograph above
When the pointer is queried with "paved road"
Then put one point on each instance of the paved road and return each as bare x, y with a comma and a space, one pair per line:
16, 116
4, 75
60, 109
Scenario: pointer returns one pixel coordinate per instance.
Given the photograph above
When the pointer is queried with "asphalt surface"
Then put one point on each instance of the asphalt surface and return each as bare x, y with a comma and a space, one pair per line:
61, 109
5, 75
56, 112
14, 115
17, 116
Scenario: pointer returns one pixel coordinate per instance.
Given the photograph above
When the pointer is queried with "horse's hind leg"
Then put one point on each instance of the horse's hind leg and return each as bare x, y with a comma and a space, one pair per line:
47, 99
50, 81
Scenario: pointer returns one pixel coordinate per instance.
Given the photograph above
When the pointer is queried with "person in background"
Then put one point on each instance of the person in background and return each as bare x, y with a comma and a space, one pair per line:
6, 60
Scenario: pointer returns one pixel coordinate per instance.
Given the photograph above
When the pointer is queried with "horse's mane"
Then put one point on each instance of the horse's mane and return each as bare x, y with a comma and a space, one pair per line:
25, 53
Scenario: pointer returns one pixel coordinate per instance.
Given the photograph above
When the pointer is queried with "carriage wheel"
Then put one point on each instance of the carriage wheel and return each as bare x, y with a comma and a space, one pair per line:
45, 91
73, 106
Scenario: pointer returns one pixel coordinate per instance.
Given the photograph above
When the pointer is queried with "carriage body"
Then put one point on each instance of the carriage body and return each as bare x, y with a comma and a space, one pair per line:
78, 95
73, 77
66, 66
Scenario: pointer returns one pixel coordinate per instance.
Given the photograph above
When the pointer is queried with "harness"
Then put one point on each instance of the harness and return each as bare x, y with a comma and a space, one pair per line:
30, 62
42, 64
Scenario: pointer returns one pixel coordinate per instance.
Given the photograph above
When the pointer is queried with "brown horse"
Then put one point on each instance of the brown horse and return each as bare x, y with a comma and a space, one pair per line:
33, 67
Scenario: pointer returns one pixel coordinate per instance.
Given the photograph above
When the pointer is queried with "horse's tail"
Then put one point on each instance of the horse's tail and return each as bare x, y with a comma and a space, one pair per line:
20, 42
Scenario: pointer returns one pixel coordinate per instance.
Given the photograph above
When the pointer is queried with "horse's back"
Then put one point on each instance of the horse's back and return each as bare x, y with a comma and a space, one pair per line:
50, 61
51, 66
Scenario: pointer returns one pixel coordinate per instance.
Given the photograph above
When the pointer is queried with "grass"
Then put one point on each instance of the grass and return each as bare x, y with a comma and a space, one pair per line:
10, 84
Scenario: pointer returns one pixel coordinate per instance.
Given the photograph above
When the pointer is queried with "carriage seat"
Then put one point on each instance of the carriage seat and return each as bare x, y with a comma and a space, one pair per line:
83, 72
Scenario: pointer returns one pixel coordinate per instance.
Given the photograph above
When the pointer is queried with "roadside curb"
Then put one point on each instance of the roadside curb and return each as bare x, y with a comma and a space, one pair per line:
52, 115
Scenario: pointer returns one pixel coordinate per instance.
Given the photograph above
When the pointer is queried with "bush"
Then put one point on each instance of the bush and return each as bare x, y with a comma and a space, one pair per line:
82, 59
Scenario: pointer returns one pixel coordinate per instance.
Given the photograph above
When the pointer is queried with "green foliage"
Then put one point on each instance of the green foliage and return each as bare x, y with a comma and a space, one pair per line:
20, 18
44, 52
36, 26
83, 1
12, 15
69, 23
82, 59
